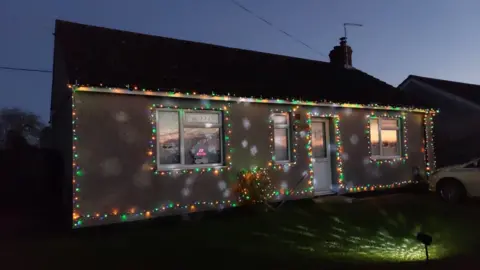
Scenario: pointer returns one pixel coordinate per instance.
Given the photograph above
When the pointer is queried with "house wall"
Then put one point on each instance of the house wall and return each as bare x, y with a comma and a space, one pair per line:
359, 169
113, 143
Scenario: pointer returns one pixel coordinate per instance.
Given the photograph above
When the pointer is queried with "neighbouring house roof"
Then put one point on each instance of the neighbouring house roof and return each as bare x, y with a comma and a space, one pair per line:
100, 56
470, 92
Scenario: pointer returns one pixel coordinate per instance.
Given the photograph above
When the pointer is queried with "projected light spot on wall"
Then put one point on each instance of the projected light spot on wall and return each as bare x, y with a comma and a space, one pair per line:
222, 185
244, 143
348, 111
246, 123
366, 161
253, 150
122, 117
142, 179
190, 180
186, 192
354, 139
111, 167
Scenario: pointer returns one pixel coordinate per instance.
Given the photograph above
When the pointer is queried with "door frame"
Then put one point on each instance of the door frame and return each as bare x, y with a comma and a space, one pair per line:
327, 121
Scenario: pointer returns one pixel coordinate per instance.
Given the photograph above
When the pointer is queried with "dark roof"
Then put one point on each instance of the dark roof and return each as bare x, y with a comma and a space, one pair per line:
95, 55
466, 91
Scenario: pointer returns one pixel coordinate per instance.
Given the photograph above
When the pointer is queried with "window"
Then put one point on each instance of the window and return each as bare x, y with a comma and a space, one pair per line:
189, 138
281, 137
385, 137
319, 140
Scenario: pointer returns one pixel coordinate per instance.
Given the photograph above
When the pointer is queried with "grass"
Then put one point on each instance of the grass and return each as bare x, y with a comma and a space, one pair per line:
300, 234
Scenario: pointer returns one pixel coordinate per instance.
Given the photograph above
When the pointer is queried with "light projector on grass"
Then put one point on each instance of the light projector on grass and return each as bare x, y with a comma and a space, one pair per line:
426, 240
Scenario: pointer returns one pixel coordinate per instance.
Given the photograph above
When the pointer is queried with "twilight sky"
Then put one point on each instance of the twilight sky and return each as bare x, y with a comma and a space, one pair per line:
435, 38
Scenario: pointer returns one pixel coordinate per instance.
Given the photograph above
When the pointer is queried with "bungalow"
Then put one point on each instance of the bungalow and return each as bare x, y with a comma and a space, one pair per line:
164, 127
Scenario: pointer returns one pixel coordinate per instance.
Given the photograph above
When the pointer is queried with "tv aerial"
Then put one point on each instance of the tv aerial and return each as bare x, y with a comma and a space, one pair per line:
345, 28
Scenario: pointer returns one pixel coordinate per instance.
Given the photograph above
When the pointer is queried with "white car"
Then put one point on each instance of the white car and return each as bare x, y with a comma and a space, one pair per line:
454, 183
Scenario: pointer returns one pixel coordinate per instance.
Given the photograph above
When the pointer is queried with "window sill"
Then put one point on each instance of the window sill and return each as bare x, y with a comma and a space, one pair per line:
166, 168
375, 158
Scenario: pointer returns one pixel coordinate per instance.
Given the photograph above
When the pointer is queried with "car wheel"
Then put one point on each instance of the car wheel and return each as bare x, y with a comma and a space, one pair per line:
452, 191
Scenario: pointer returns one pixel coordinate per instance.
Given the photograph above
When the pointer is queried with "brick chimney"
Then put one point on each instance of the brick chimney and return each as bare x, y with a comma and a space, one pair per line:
341, 55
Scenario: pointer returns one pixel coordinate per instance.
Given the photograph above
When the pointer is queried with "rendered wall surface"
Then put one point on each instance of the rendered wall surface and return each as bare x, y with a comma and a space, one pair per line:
359, 169
116, 181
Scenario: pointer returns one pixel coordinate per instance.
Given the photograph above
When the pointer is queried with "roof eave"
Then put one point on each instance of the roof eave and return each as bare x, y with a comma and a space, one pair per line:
228, 98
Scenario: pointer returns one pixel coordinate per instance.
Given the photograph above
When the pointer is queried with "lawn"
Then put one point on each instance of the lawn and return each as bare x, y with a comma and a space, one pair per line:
300, 234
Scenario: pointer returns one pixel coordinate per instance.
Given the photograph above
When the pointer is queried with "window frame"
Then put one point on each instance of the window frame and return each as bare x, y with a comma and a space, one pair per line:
380, 142
182, 113
288, 127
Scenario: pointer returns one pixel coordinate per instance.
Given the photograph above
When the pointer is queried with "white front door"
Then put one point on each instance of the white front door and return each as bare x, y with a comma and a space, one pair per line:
322, 170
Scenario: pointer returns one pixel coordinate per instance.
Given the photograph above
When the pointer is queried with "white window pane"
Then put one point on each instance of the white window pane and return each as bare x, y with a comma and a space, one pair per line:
168, 137
390, 142
374, 138
280, 119
202, 145
202, 118
281, 144
389, 123
319, 146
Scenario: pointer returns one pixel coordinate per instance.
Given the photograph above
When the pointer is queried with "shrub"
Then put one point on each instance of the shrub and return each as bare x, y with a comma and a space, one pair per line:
254, 186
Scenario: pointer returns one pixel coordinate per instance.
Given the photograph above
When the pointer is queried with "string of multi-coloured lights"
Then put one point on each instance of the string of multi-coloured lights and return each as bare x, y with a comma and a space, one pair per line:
429, 145
308, 137
339, 160
79, 218
432, 139
153, 145
371, 187
77, 172
294, 152
193, 95
338, 145
134, 214
290, 113
425, 147
402, 136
